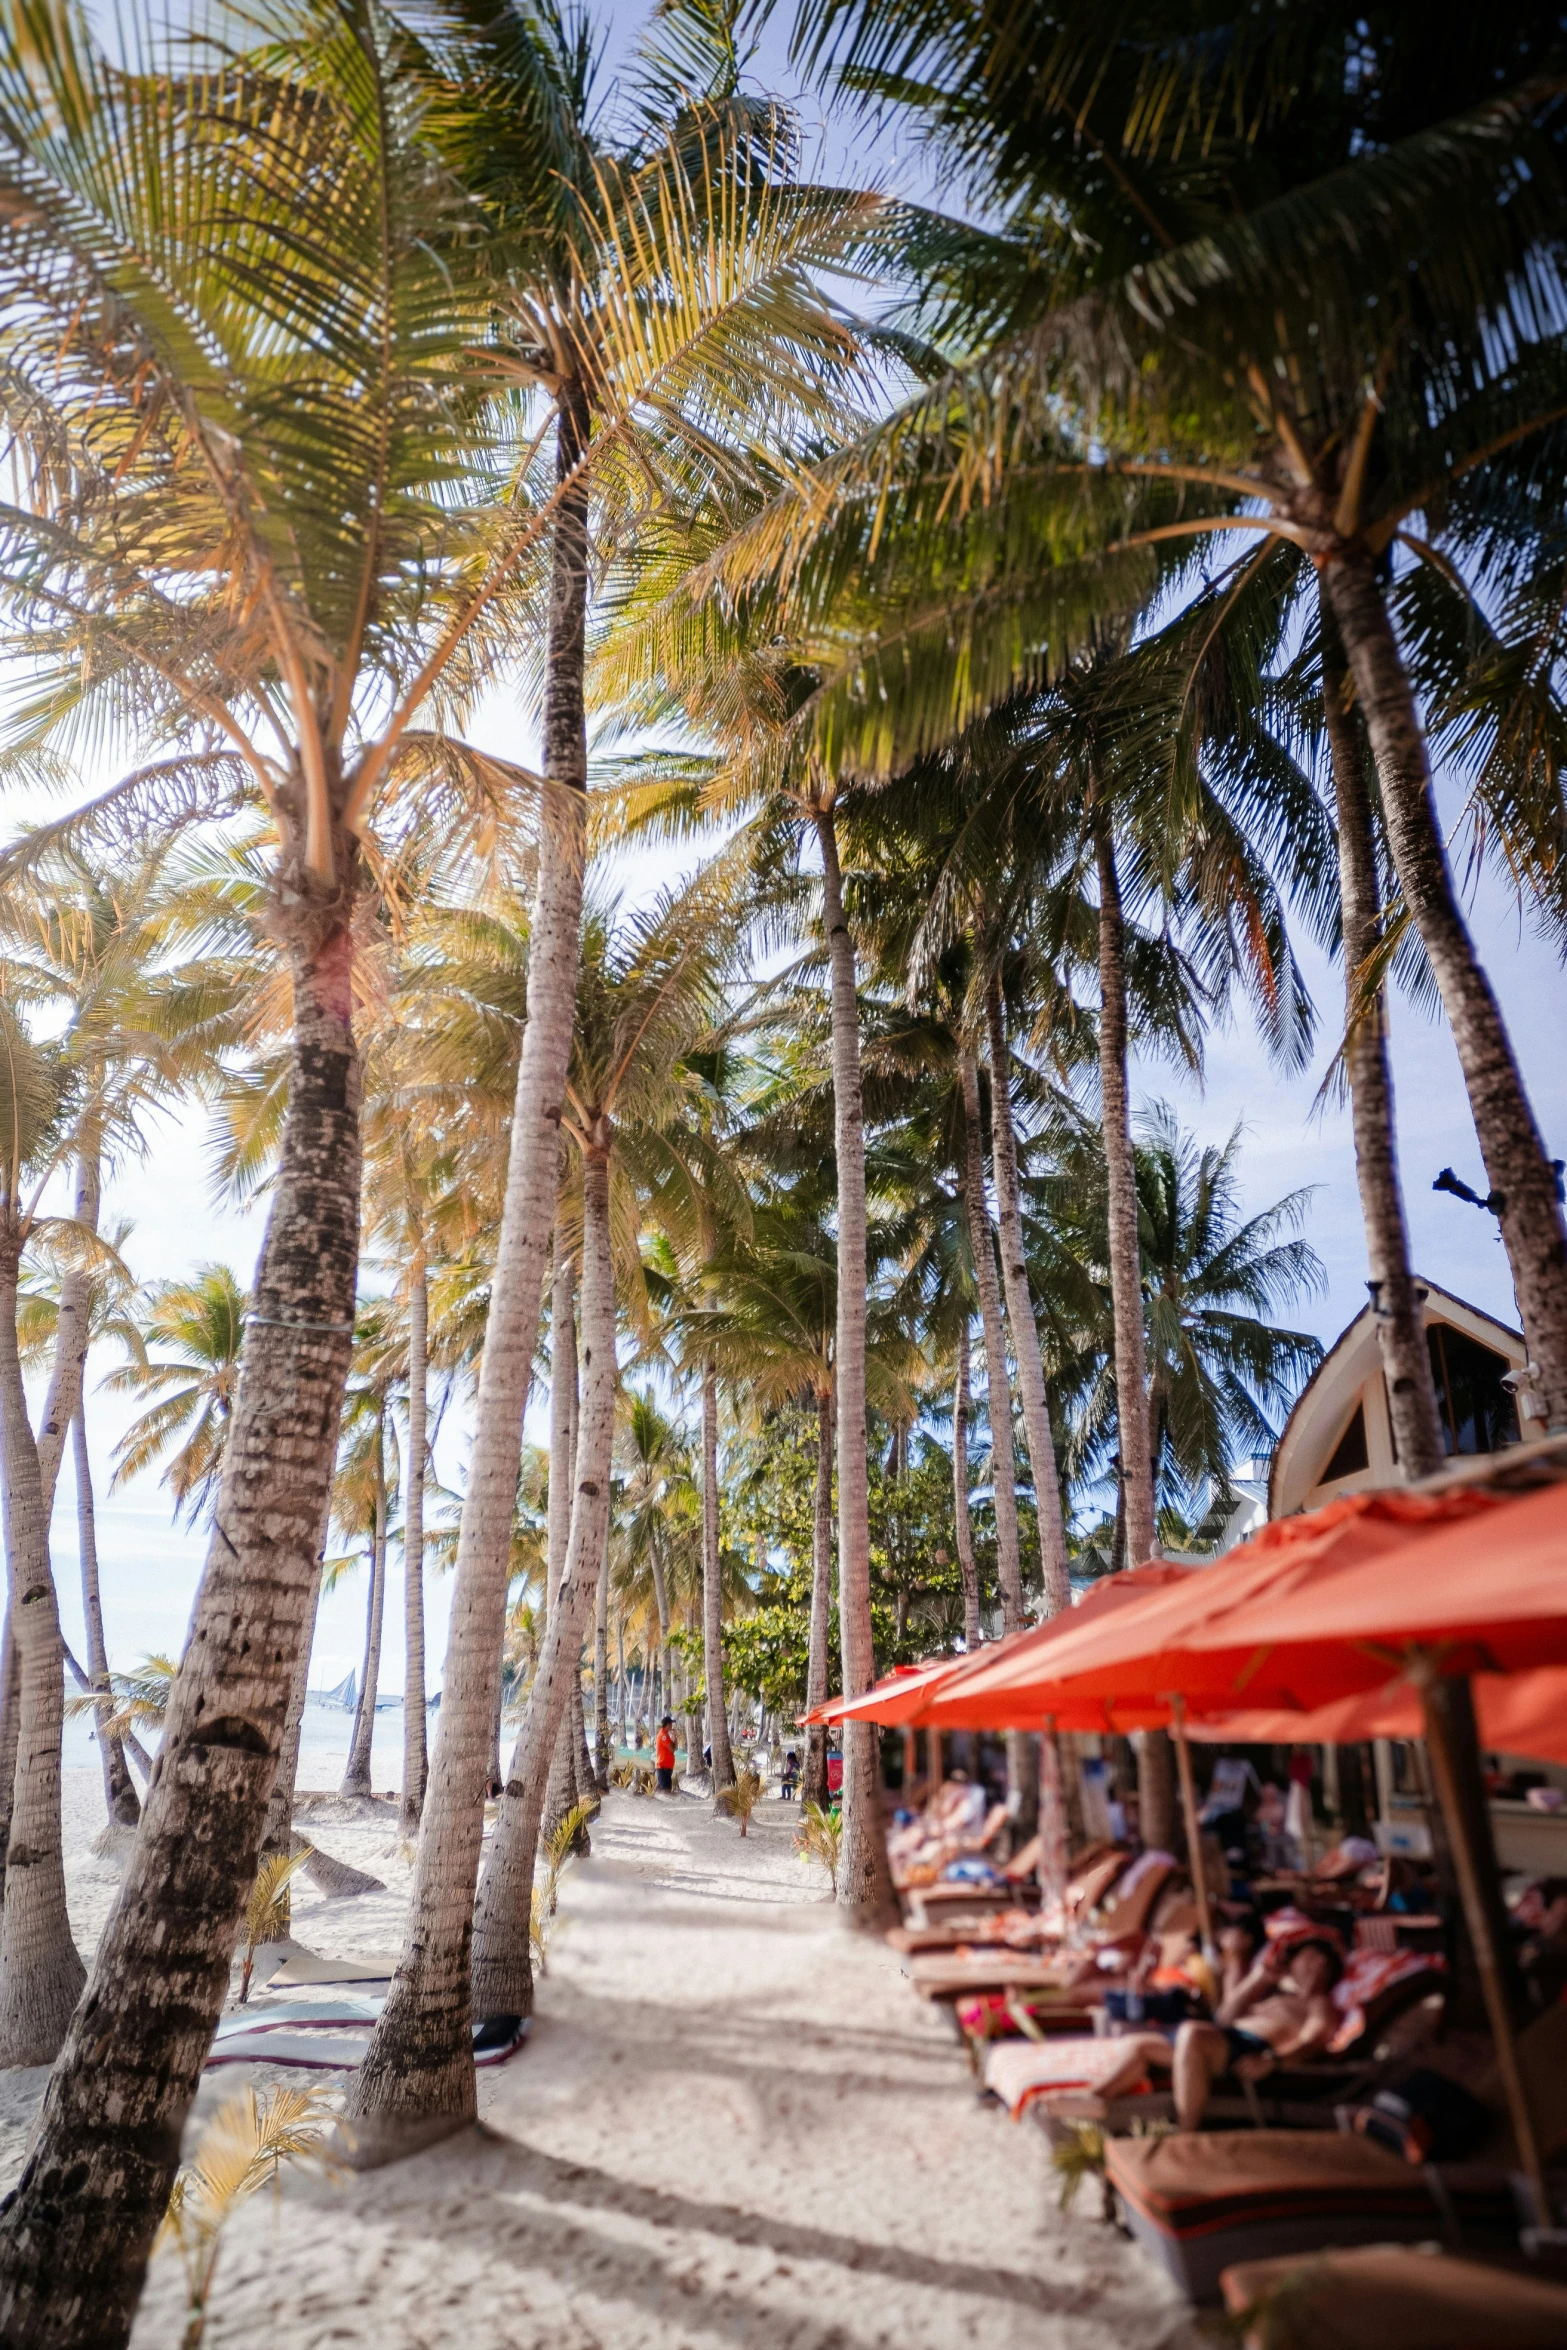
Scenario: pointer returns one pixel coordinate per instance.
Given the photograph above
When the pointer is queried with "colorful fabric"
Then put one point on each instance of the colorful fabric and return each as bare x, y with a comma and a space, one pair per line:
1367, 1978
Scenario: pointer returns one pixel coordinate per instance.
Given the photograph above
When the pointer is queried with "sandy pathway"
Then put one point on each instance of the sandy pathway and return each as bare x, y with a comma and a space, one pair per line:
734, 2125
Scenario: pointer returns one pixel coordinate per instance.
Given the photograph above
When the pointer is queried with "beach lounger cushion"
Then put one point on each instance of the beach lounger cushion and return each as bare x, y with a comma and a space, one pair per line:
1392, 2297
327, 2052
1020, 2071
949, 1974
1200, 2201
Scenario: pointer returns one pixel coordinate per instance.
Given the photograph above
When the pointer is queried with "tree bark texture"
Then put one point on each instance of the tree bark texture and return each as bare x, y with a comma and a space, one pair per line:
1155, 1761
1003, 1458
118, 1787
962, 1520
278, 1834
418, 2071
502, 1965
1125, 1254
356, 1779
1523, 1183
813, 1776
41, 1973
601, 1735
416, 1762
76, 2232
713, 1589
1396, 1313
864, 1879
1020, 1314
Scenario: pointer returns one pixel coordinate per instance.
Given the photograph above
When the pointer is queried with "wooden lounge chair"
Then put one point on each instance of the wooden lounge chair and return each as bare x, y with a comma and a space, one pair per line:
1023, 2073
1200, 2202
949, 1974
1390, 2297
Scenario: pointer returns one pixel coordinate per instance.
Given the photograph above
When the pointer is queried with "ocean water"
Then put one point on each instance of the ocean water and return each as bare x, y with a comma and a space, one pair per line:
324, 1739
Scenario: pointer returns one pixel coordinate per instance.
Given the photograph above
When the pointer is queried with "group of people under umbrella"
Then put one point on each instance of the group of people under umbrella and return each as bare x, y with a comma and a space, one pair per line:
1436, 1613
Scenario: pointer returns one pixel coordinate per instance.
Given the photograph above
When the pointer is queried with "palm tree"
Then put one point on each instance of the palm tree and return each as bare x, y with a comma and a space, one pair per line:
648, 993
361, 1507
1148, 346
261, 538
40, 1971
198, 1328
659, 301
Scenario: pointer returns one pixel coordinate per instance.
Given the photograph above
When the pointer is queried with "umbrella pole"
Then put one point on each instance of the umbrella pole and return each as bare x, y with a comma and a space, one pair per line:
1183, 1758
1454, 1749
1052, 1818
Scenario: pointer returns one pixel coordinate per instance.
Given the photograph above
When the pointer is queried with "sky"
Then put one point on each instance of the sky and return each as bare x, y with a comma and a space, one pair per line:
149, 1568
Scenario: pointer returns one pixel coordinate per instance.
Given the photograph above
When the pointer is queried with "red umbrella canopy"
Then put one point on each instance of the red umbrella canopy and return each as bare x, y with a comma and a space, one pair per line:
1517, 1713
983, 1693
1214, 1635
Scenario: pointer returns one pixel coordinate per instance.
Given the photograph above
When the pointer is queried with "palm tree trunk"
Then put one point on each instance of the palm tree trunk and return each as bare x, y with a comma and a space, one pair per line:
1396, 1314
963, 1523
1003, 1460
712, 1588
75, 2236
278, 1834
813, 1780
118, 1787
1020, 1314
415, 1720
417, 2077
41, 1973
864, 1879
1126, 1277
563, 1414
1155, 1762
601, 1735
1522, 1180
502, 1965
356, 1779
587, 1784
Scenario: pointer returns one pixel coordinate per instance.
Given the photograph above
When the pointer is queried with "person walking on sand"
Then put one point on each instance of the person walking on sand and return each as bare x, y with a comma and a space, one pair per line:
664, 1755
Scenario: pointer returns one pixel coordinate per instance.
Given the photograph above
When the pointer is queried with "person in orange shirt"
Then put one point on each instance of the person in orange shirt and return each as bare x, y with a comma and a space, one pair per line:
664, 1755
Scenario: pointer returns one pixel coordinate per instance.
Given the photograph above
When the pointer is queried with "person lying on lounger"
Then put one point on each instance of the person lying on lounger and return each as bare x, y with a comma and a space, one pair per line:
1283, 2008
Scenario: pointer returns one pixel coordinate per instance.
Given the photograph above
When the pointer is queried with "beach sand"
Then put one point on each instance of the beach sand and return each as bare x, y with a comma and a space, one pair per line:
733, 2125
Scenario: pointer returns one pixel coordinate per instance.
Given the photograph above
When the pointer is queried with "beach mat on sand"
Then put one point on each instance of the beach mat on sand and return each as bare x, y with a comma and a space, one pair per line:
326, 2052
294, 2015
303, 1969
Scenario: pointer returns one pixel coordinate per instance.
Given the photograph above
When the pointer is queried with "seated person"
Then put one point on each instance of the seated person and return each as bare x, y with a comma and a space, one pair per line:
1284, 2007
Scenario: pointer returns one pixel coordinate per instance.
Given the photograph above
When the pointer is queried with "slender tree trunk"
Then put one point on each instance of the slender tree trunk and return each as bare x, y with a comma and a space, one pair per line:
75, 2235
864, 1880
357, 1777
1396, 1314
712, 1588
417, 2077
1020, 1314
587, 1777
41, 1973
1155, 1760
962, 1521
1523, 1183
1126, 1277
601, 1735
415, 1718
1003, 1462
277, 1837
502, 1967
813, 1778
118, 1787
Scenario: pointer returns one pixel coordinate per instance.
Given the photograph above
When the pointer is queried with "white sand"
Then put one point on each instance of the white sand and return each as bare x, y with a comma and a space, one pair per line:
734, 2125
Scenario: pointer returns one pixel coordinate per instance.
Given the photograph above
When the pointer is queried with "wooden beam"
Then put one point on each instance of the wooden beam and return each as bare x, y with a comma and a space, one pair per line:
1183, 1758
1453, 1744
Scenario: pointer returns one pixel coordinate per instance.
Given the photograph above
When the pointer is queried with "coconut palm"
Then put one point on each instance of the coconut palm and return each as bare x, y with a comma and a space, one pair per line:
262, 540
40, 1971
648, 994
659, 305
197, 1328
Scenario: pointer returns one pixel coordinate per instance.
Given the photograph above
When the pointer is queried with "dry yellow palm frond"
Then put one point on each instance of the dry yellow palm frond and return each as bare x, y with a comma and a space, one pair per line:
740, 1800
244, 2146
268, 1911
820, 1838
558, 1846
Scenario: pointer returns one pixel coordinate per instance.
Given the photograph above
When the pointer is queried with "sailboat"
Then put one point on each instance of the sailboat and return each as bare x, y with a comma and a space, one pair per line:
346, 1694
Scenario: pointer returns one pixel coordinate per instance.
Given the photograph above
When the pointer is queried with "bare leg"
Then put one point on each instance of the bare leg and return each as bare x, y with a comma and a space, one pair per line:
1201, 2054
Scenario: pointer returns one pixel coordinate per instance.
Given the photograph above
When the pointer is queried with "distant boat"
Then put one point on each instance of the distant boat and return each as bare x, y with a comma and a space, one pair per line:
346, 1694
